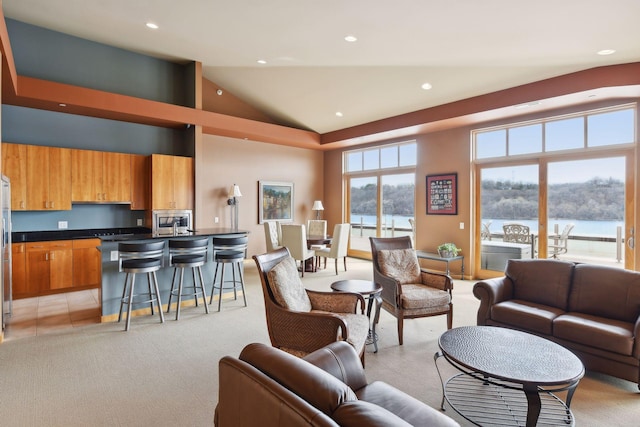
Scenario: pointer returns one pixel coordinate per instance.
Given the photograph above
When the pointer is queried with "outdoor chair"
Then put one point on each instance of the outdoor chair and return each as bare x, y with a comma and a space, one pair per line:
408, 291
300, 320
558, 244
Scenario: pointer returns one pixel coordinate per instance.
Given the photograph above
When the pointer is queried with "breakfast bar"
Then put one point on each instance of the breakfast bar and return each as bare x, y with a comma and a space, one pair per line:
113, 278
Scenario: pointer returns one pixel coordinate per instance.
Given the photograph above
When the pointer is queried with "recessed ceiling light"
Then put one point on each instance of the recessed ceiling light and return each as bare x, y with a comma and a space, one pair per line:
527, 105
152, 25
606, 52
62, 105
339, 114
262, 61
351, 38
426, 86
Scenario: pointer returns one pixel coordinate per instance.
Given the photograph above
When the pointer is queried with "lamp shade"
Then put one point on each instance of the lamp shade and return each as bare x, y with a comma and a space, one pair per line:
234, 191
317, 206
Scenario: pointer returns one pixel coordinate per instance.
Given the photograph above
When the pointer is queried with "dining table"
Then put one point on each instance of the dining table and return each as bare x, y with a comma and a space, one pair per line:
310, 265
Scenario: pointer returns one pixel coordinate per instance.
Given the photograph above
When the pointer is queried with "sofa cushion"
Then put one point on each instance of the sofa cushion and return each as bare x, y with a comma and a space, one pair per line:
599, 332
287, 287
608, 292
321, 389
526, 315
545, 282
399, 264
404, 406
417, 296
360, 413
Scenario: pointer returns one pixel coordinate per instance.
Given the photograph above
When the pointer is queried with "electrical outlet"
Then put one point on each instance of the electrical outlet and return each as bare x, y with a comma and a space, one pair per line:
216, 220
140, 221
63, 224
462, 226
114, 255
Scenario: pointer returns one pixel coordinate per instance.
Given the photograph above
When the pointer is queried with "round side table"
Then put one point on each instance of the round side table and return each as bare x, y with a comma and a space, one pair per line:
367, 289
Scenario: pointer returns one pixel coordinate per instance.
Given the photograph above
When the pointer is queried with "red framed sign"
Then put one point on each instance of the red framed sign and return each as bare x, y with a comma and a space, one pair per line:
442, 194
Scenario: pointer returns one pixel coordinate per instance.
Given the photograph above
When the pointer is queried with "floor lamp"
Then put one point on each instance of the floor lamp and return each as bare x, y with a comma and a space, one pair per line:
234, 193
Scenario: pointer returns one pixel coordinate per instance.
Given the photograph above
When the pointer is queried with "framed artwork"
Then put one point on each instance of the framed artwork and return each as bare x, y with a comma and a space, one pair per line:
275, 201
442, 194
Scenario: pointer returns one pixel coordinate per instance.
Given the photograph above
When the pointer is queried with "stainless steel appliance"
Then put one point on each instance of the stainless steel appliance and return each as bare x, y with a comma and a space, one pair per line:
171, 221
5, 251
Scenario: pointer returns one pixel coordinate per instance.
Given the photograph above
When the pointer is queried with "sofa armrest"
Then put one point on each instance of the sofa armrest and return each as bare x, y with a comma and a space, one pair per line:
340, 360
491, 292
636, 339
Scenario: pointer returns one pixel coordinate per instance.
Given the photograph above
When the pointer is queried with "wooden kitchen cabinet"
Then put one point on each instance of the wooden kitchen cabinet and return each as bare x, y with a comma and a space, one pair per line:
99, 176
21, 287
86, 263
14, 166
50, 264
172, 182
140, 187
48, 178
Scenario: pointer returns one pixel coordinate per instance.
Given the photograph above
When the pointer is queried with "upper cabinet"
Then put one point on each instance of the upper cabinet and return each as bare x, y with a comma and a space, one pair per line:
100, 176
140, 187
14, 166
172, 182
48, 178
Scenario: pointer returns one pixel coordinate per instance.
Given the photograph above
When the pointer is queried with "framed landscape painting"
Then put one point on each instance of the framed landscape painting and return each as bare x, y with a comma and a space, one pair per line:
275, 201
442, 194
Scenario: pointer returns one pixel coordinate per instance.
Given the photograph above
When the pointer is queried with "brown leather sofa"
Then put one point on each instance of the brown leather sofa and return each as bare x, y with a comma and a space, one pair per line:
266, 386
592, 310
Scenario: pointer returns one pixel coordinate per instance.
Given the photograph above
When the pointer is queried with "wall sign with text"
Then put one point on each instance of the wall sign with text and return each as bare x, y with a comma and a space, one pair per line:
442, 194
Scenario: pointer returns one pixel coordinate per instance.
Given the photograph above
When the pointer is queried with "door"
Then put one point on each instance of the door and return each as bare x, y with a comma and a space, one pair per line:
362, 210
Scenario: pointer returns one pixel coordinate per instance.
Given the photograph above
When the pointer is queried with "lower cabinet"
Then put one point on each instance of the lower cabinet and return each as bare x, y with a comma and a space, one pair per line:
41, 268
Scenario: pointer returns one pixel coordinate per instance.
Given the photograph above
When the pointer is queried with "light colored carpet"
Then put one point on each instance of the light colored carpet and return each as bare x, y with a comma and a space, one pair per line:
155, 374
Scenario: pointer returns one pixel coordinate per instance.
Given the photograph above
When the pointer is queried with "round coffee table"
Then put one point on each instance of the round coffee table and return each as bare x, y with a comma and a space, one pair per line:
497, 366
369, 289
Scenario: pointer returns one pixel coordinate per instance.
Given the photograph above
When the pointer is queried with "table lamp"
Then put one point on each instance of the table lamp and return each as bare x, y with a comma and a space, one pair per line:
317, 206
234, 193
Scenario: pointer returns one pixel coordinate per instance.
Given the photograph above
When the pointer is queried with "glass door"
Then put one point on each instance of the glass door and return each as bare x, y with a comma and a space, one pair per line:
509, 198
398, 205
586, 210
362, 210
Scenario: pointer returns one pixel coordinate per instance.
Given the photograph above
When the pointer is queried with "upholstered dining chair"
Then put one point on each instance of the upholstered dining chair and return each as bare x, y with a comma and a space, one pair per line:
408, 291
272, 235
294, 237
317, 227
301, 321
339, 245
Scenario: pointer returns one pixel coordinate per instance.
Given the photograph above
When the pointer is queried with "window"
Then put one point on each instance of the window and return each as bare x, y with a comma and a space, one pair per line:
583, 131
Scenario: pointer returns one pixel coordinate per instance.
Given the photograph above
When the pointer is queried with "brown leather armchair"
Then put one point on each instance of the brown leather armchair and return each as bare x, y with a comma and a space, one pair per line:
268, 387
408, 291
300, 320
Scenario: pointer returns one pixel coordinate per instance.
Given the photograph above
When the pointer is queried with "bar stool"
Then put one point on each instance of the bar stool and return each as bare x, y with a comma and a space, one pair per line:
140, 257
229, 250
188, 253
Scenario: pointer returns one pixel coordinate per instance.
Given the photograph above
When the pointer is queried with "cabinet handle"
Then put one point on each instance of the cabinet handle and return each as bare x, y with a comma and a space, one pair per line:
21, 204
46, 256
53, 256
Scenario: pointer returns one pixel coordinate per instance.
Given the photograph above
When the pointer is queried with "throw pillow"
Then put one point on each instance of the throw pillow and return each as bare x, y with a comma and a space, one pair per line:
400, 264
287, 287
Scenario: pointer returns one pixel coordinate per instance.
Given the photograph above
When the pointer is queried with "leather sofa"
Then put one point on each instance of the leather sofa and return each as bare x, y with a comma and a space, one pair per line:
266, 386
590, 309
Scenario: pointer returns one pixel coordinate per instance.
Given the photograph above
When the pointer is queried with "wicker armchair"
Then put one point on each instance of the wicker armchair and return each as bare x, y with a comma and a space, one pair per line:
300, 330
408, 291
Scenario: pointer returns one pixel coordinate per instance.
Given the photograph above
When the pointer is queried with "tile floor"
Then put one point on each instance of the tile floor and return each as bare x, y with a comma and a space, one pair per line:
52, 313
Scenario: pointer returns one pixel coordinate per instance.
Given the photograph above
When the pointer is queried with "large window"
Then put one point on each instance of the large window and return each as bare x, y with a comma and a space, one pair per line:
381, 193
565, 180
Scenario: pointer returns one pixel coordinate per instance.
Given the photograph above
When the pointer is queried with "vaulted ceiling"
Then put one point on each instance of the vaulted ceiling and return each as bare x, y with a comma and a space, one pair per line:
463, 49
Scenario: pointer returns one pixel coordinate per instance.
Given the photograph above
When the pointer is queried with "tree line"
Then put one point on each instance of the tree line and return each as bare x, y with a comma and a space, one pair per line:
596, 199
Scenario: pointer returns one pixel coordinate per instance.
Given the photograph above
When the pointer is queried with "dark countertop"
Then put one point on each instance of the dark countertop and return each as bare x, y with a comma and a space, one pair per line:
217, 231
90, 233
111, 234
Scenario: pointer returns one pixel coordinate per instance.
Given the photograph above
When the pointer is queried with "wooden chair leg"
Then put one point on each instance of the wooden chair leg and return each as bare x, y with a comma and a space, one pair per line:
345, 263
400, 326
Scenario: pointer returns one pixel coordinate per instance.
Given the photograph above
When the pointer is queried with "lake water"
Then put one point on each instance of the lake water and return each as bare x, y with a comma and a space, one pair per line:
582, 228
